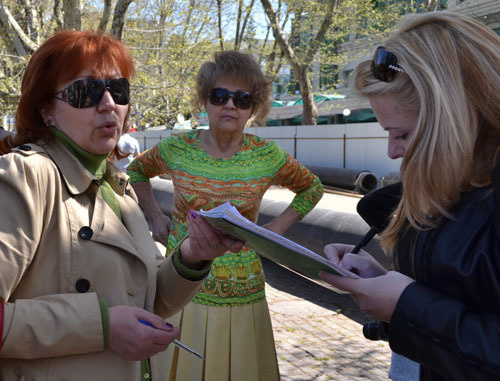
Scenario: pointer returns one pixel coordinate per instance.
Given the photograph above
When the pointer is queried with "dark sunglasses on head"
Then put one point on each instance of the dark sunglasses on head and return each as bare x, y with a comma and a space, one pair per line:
241, 99
385, 65
89, 91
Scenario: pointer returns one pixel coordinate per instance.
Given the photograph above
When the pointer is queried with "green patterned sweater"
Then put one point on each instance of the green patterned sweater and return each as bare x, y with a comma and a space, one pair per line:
202, 182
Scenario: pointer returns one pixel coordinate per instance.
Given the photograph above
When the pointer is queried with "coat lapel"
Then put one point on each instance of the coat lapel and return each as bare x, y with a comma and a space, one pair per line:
106, 226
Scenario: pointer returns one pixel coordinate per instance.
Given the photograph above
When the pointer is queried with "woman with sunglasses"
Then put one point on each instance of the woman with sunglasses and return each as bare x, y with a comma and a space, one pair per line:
435, 87
228, 319
78, 266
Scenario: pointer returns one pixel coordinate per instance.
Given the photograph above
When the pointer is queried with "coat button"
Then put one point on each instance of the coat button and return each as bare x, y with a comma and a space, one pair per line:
25, 147
86, 233
82, 285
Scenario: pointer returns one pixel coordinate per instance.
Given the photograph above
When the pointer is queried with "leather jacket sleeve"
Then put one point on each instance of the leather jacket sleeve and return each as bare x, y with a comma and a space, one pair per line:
442, 334
449, 319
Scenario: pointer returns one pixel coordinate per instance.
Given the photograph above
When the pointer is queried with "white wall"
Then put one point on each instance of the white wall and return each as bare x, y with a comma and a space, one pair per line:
323, 145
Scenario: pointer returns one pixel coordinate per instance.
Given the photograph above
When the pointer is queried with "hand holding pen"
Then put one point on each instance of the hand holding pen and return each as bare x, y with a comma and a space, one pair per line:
175, 342
354, 259
364, 241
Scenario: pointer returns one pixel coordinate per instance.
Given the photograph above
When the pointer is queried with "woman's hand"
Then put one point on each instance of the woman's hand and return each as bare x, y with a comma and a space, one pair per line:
377, 296
362, 263
160, 227
204, 242
158, 222
133, 340
283, 222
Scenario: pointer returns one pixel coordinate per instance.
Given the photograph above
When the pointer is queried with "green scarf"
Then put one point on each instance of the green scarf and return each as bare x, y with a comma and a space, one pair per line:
95, 164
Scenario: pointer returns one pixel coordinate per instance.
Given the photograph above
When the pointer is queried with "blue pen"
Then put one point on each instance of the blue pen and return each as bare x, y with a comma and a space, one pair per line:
175, 342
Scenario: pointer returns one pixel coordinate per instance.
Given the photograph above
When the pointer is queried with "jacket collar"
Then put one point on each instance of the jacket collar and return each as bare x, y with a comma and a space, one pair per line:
76, 177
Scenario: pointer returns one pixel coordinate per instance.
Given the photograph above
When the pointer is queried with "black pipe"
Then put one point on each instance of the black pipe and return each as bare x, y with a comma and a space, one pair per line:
357, 180
318, 229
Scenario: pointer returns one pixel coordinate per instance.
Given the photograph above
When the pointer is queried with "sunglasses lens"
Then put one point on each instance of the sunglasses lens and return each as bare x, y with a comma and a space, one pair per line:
80, 94
382, 65
243, 100
219, 97
120, 91
86, 93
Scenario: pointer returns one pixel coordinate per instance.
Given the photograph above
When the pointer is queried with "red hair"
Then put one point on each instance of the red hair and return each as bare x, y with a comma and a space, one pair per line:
60, 58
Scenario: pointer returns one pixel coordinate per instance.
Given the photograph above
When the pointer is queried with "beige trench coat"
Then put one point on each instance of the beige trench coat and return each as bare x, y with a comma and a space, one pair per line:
62, 247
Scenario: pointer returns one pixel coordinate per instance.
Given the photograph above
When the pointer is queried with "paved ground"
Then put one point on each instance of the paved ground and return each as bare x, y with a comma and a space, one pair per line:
318, 332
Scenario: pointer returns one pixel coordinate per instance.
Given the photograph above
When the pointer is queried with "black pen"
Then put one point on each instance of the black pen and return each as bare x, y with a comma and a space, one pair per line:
364, 241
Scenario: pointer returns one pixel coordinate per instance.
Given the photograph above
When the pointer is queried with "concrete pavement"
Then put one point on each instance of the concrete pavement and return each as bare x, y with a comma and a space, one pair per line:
318, 332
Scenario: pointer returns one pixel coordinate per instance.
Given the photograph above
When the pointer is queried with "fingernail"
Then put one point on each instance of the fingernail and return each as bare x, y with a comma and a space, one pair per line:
193, 214
169, 326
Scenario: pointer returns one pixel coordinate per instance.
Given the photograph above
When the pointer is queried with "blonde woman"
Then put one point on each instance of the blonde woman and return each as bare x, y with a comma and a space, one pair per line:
435, 87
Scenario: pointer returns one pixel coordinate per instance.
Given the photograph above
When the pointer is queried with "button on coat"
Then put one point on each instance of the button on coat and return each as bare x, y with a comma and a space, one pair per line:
63, 248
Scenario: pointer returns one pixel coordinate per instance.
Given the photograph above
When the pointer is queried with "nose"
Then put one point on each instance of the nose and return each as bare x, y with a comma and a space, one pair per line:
395, 149
230, 103
106, 101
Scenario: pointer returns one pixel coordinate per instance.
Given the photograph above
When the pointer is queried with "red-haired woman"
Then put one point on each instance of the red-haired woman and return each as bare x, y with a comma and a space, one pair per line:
78, 267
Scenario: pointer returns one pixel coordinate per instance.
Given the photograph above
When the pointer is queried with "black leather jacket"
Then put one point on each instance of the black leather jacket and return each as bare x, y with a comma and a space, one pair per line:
449, 319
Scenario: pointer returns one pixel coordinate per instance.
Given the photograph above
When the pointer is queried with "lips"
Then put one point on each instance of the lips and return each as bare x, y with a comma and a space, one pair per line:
109, 127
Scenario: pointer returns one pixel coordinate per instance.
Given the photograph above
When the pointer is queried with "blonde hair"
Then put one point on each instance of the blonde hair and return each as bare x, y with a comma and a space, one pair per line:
452, 79
239, 66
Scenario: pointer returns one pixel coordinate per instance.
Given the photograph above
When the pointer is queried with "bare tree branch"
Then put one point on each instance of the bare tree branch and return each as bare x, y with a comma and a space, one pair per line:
245, 21
119, 18
219, 20
327, 21
301, 67
238, 22
106, 14
72, 16
32, 20
57, 14
21, 41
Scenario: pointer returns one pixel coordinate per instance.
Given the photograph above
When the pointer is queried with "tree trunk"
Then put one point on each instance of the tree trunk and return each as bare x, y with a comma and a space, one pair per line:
57, 15
245, 21
219, 20
72, 14
22, 43
237, 35
32, 20
106, 14
119, 18
310, 111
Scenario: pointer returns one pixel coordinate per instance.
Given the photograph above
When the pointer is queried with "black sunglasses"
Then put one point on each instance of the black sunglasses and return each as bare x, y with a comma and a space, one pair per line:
241, 99
385, 65
89, 91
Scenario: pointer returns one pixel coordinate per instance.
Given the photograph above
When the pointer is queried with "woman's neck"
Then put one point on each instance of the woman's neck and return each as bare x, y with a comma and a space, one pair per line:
221, 145
95, 164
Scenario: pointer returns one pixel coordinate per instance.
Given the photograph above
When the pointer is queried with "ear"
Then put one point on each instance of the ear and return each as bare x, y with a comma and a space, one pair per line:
47, 116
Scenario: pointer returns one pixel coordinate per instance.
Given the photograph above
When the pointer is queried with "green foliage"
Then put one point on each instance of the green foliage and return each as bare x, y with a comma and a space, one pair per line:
169, 42
170, 39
